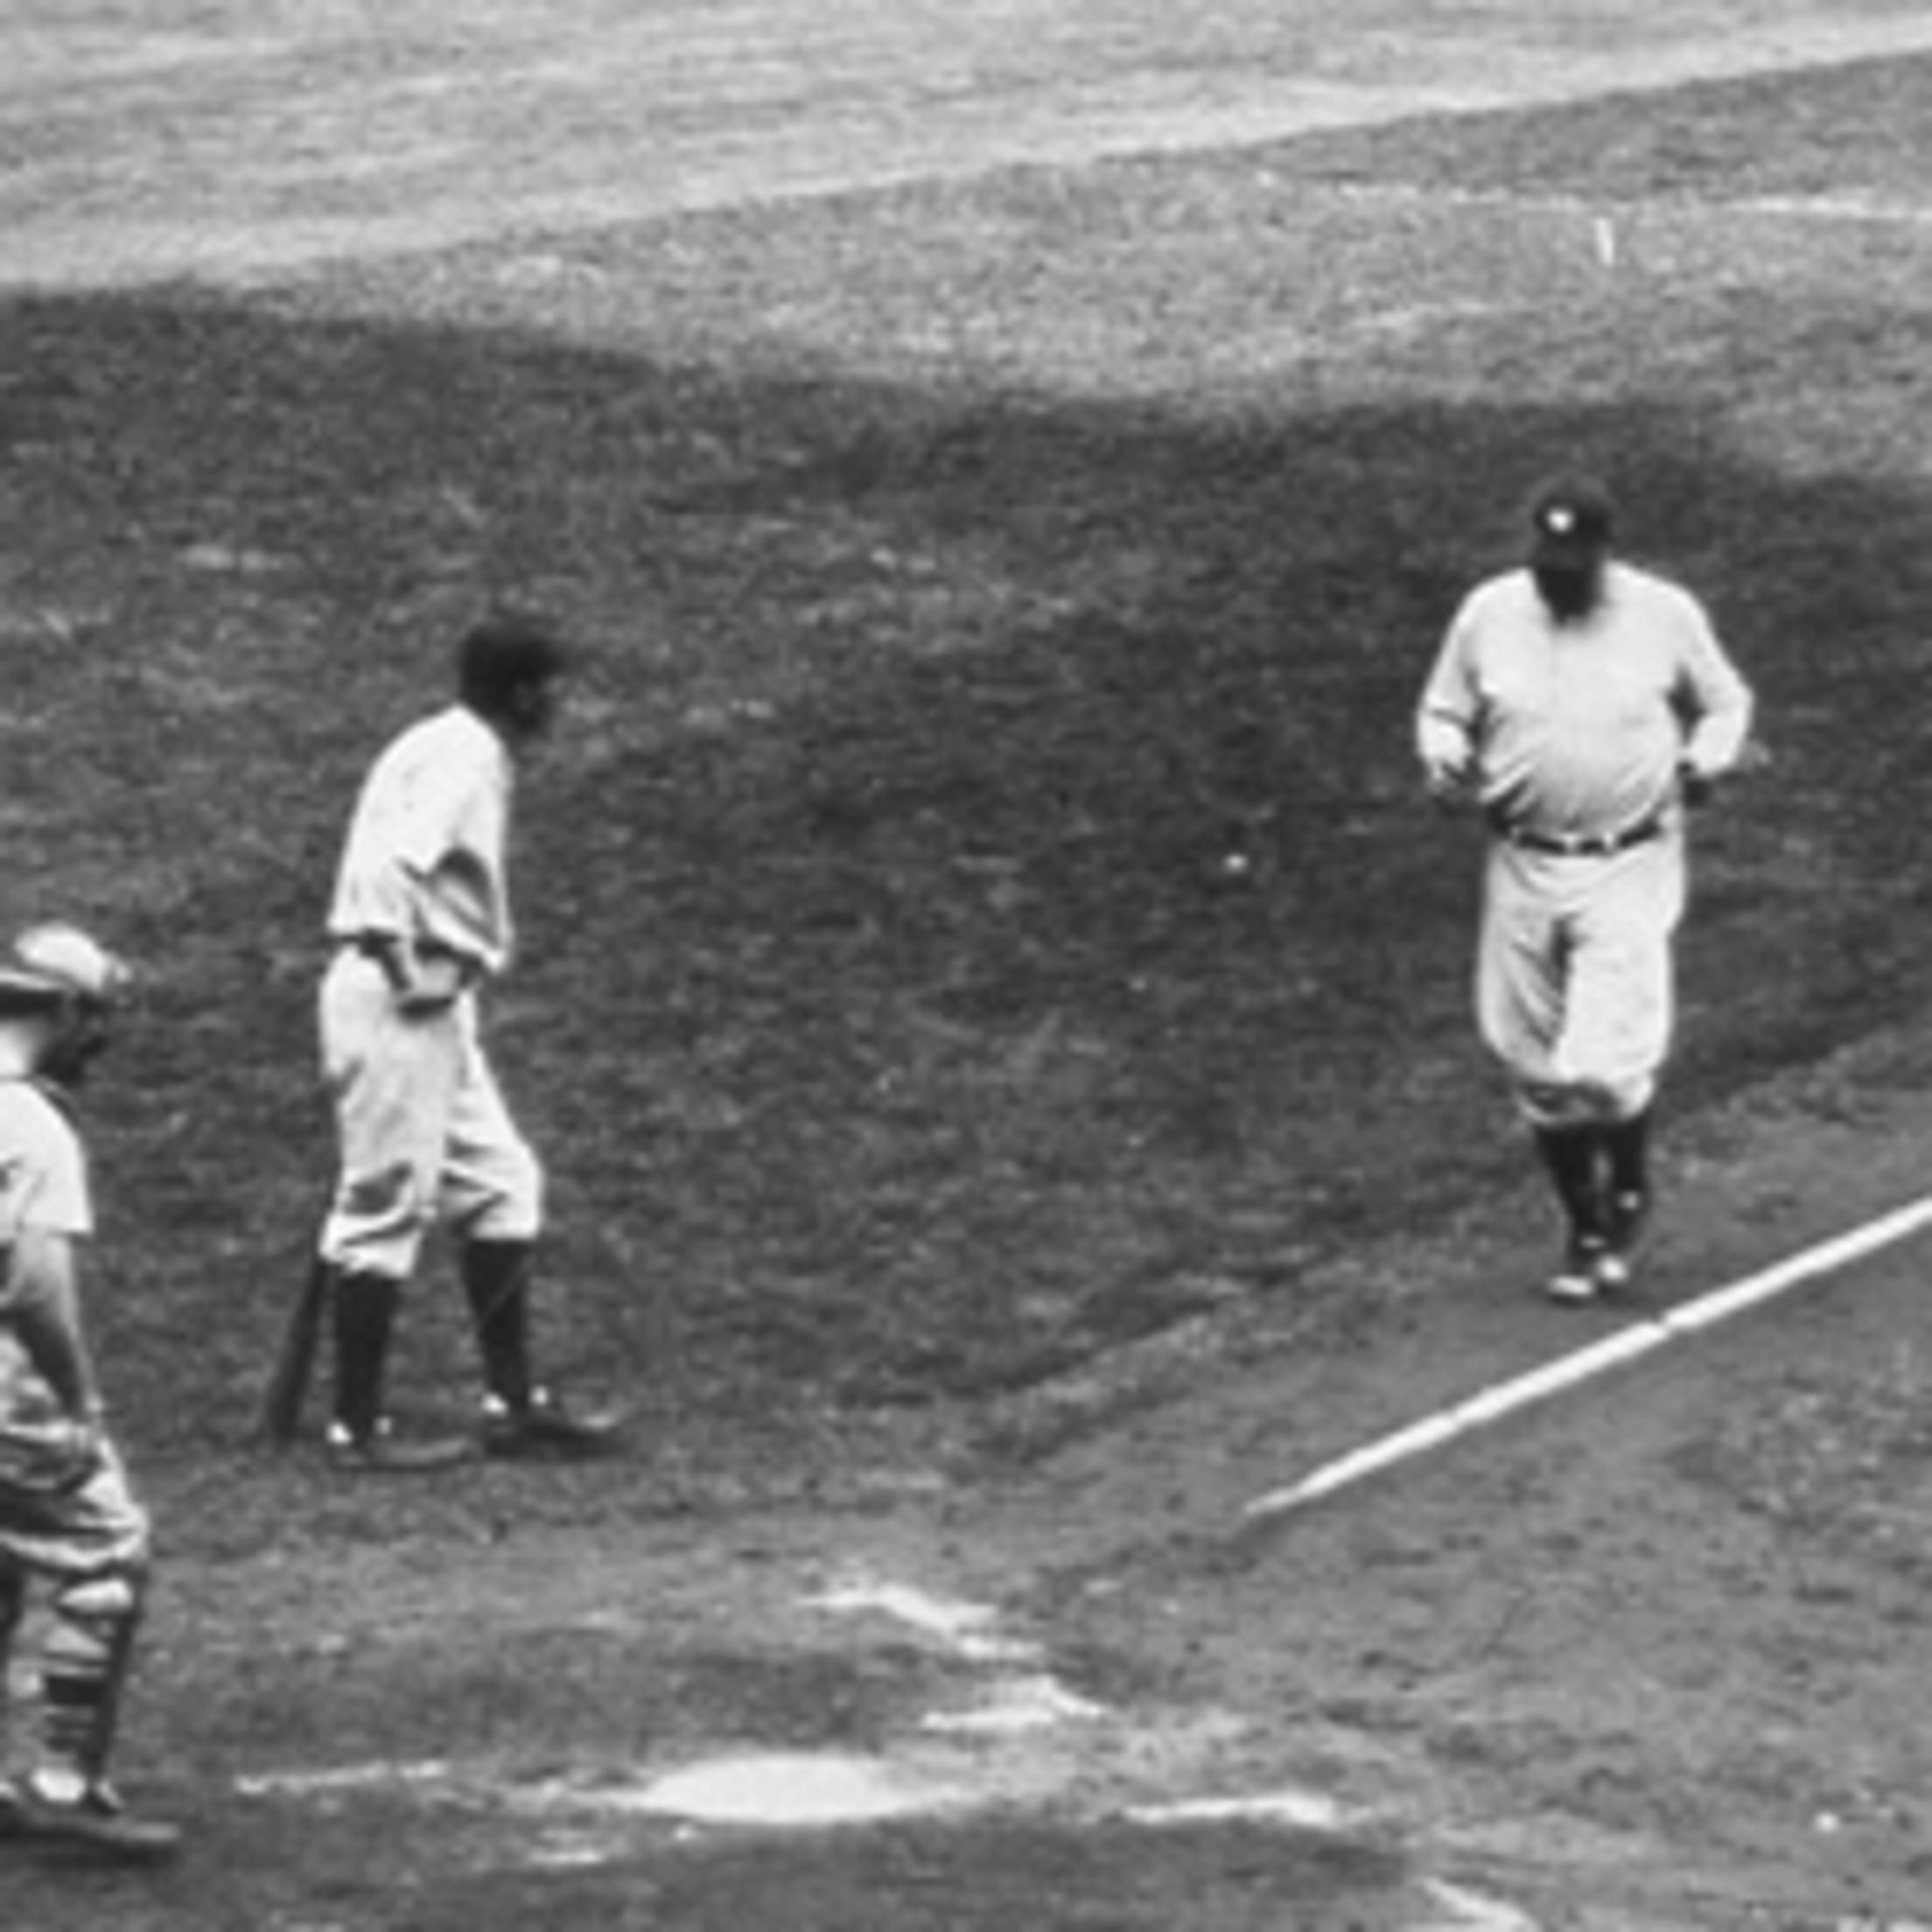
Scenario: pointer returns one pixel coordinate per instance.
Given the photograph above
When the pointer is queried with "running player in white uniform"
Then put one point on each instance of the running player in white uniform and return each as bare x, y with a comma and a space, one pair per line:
1581, 703
420, 919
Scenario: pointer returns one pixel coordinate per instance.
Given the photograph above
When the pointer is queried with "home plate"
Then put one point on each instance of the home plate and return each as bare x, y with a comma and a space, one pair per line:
795, 1788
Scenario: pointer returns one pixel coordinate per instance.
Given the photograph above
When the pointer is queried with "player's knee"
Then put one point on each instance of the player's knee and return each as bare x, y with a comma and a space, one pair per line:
90, 1618
514, 1208
389, 1200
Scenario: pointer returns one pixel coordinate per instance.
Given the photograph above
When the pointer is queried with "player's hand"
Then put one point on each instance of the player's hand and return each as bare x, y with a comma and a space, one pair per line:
83, 1446
54, 1456
1696, 786
1448, 783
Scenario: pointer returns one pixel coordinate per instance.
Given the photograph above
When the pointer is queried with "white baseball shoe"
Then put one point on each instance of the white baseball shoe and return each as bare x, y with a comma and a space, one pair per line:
1616, 1265
85, 1816
1578, 1278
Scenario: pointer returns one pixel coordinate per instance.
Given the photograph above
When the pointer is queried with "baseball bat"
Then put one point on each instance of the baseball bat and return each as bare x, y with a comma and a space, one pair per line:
288, 1384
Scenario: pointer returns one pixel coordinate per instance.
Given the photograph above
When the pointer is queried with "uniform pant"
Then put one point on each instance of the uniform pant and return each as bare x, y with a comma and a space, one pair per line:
422, 1128
1575, 976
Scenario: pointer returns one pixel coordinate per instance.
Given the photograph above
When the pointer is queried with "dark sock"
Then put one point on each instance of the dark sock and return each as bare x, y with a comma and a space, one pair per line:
1628, 1143
1570, 1155
496, 1278
365, 1317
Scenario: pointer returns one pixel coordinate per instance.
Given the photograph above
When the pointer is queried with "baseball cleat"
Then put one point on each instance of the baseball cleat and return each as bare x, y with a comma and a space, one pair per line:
547, 1426
89, 1819
382, 1454
1613, 1273
1578, 1280
1615, 1265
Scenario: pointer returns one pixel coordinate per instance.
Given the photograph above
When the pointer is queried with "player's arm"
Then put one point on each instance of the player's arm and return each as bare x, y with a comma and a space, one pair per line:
1448, 721
42, 1304
447, 860
1717, 706
416, 885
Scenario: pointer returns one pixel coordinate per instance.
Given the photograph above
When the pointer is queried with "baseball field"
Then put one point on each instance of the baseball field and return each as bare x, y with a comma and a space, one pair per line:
994, 1003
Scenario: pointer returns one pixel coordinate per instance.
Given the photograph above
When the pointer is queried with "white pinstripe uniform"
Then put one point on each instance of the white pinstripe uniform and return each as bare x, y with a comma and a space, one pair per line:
423, 1126
1572, 736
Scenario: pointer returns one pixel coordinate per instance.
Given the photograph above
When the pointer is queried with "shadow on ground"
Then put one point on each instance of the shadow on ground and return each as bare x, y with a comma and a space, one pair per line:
981, 911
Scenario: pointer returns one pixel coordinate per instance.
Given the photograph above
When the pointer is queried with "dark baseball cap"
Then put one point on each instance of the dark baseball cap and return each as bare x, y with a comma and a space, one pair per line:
1572, 519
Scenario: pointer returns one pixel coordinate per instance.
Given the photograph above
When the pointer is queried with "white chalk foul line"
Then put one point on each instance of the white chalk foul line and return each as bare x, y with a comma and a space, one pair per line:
1581, 1365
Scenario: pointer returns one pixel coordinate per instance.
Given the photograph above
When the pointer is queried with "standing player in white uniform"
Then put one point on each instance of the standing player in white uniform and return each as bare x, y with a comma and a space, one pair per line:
68, 1517
419, 921
1582, 703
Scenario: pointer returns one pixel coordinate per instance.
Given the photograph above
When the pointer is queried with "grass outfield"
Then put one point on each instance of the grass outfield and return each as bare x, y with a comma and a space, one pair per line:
969, 572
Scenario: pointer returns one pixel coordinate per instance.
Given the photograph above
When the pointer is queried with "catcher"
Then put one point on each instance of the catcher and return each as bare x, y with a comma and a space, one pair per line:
68, 1516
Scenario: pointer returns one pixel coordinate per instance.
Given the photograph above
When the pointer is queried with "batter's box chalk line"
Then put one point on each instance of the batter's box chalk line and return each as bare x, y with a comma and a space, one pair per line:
1021, 1695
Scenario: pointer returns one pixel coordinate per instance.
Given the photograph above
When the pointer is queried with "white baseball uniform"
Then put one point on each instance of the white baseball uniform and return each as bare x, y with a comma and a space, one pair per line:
421, 917
1572, 736
58, 1529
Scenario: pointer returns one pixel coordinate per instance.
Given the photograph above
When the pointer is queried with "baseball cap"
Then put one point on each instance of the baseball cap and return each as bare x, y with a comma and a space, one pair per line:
503, 651
56, 961
1572, 518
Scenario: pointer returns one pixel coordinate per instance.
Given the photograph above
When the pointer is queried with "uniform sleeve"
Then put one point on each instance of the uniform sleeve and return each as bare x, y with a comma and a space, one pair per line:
44, 1198
1450, 711
459, 898
425, 808
1716, 701
438, 813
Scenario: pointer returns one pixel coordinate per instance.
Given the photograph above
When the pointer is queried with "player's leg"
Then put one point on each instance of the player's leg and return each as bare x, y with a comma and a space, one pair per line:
1522, 985
96, 1550
13, 1604
1572, 1155
1626, 1148
494, 1193
1618, 1031
391, 1076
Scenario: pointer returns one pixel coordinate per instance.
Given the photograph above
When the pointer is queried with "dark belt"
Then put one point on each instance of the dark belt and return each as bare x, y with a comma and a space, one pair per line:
1592, 845
381, 947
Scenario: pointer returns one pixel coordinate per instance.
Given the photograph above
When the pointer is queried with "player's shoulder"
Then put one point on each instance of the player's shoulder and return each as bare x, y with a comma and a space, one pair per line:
30, 1118
1506, 593
446, 741
458, 735
447, 726
1646, 584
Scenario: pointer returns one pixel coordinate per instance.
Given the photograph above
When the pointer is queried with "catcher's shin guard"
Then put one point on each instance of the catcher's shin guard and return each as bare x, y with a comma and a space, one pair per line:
84, 1668
13, 1604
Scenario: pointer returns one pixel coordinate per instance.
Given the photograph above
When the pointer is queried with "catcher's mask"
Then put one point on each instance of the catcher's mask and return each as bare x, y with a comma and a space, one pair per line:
57, 971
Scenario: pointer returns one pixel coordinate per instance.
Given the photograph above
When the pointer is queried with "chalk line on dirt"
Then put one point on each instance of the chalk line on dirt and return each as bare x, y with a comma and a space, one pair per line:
1582, 1365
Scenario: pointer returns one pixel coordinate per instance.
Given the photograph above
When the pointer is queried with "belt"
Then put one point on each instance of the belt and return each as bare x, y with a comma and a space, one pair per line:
380, 947
1589, 845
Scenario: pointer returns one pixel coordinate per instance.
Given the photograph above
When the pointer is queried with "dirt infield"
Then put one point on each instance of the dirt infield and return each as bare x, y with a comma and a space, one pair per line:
232, 141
